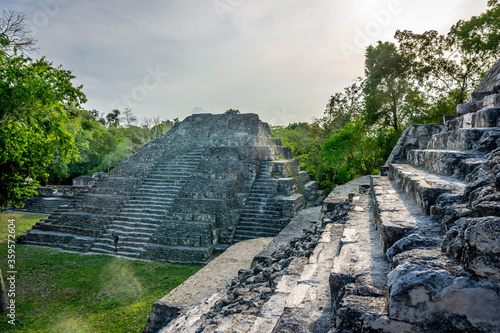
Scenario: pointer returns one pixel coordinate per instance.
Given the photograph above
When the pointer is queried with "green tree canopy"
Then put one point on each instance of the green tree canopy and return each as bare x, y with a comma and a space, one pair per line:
33, 96
387, 86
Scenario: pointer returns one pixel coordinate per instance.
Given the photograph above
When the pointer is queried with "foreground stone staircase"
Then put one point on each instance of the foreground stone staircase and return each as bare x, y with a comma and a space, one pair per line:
143, 214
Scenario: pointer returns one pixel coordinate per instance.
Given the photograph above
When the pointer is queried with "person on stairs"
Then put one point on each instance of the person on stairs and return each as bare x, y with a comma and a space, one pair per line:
115, 238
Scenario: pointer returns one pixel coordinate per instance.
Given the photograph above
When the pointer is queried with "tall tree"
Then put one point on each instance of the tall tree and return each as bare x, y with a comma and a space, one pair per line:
387, 85
15, 34
113, 118
343, 107
33, 95
449, 66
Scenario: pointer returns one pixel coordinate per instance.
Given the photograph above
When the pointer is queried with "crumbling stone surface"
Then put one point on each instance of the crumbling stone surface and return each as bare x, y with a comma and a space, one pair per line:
474, 242
248, 292
423, 290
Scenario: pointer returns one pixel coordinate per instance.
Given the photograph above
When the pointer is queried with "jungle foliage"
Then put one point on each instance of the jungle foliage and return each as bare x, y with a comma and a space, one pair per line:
417, 79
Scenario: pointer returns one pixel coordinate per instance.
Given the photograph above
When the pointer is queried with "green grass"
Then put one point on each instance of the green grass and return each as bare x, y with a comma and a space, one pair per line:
66, 292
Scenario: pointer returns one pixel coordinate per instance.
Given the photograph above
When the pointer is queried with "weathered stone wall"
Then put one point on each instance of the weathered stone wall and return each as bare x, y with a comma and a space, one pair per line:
414, 137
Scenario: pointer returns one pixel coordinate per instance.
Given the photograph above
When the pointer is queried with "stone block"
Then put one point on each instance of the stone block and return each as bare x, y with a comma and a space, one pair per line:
466, 108
425, 293
84, 181
304, 177
285, 169
182, 254
287, 186
488, 118
291, 205
474, 242
311, 192
186, 233
491, 101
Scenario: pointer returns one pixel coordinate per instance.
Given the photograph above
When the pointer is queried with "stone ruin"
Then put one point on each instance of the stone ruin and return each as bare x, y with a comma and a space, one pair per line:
212, 180
415, 249
50, 197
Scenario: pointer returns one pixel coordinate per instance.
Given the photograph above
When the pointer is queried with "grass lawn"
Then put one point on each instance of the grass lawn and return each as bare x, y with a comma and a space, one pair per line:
66, 292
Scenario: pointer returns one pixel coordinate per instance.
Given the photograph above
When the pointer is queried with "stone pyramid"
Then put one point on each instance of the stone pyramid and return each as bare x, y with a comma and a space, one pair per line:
213, 179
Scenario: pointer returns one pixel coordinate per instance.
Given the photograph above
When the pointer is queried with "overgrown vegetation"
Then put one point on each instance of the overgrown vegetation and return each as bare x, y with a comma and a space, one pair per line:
418, 79
66, 292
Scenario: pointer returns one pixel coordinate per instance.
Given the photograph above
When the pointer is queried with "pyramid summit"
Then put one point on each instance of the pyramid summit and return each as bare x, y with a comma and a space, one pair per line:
212, 180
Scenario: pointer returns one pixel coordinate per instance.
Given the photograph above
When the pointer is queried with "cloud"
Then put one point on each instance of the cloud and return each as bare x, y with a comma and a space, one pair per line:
265, 57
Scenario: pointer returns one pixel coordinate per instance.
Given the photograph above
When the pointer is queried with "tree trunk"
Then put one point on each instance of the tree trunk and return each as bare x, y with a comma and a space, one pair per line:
394, 116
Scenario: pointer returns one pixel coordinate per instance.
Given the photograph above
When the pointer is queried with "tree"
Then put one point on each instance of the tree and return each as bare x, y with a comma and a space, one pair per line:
15, 34
130, 120
33, 95
388, 74
232, 111
113, 118
449, 66
480, 33
343, 107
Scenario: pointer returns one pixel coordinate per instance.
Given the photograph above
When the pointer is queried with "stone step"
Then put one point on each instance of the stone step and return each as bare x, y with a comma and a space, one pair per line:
267, 213
156, 191
258, 195
148, 198
249, 230
480, 119
121, 252
131, 229
63, 240
302, 299
139, 215
455, 163
465, 139
163, 182
127, 234
125, 237
396, 217
238, 237
138, 204
263, 220
166, 175
358, 279
139, 224
122, 245
261, 200
423, 187
143, 209
61, 246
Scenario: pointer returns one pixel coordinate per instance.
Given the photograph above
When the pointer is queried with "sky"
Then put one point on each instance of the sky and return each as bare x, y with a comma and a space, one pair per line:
281, 59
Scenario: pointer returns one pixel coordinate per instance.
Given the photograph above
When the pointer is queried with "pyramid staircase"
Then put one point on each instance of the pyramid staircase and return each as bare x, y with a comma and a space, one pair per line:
145, 211
261, 216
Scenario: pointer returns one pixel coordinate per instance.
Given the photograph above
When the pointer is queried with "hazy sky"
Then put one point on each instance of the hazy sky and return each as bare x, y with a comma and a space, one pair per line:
279, 59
